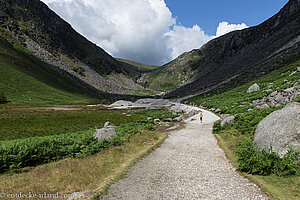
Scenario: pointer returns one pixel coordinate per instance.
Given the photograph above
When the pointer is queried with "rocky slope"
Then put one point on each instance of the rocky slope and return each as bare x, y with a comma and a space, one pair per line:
33, 25
233, 59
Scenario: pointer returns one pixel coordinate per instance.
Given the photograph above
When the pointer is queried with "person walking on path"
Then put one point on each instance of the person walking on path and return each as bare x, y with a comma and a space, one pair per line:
201, 117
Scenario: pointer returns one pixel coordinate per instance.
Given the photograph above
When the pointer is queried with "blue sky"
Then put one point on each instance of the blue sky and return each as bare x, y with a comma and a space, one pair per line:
157, 31
208, 13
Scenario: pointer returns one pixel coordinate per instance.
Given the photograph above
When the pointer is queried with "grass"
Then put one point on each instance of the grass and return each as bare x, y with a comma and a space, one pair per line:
280, 188
139, 66
25, 122
73, 175
27, 80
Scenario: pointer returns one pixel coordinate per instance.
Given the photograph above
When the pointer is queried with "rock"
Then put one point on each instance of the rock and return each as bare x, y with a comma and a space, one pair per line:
264, 106
228, 120
156, 121
108, 125
148, 143
273, 94
280, 130
192, 113
223, 116
218, 110
250, 109
268, 90
179, 118
149, 118
298, 69
253, 88
104, 133
169, 119
121, 103
280, 99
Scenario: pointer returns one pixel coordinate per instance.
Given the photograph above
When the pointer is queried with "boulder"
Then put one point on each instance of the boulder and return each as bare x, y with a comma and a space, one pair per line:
280, 130
223, 116
228, 120
156, 121
108, 125
298, 69
180, 118
104, 133
192, 113
218, 110
264, 106
253, 88
121, 103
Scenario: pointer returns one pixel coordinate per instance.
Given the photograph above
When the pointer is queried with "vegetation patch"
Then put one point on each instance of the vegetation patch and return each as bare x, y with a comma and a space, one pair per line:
259, 165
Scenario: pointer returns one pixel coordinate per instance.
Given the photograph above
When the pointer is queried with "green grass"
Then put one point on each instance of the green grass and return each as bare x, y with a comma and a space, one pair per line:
138, 65
25, 122
27, 80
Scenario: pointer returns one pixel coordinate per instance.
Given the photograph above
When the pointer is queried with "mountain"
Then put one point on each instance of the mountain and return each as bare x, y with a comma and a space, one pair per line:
233, 59
34, 26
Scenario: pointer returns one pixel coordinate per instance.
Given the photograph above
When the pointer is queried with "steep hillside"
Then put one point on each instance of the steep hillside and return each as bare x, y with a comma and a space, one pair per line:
27, 80
238, 57
54, 41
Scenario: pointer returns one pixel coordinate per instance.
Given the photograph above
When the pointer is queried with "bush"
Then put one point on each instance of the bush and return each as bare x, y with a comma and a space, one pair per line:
2, 98
217, 127
157, 114
265, 162
16, 154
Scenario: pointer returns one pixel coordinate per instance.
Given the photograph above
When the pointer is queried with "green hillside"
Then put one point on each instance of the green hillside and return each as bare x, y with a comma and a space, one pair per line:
137, 65
27, 80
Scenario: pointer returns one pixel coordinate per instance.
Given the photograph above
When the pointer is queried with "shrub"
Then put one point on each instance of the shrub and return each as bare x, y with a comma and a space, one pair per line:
2, 98
16, 154
157, 114
264, 162
217, 127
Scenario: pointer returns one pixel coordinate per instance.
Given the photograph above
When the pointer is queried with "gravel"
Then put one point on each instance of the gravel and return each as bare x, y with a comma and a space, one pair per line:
188, 165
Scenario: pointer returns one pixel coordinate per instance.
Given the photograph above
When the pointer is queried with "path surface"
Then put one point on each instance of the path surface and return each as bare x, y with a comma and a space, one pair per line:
188, 165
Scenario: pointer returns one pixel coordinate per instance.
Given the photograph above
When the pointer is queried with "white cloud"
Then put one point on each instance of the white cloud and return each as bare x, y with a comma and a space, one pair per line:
138, 30
225, 27
182, 39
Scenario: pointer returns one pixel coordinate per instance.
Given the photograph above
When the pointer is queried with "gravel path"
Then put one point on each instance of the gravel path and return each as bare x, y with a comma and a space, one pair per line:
188, 165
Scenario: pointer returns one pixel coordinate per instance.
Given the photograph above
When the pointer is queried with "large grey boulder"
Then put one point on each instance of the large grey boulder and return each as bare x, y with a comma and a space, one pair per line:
104, 133
280, 130
253, 88
228, 120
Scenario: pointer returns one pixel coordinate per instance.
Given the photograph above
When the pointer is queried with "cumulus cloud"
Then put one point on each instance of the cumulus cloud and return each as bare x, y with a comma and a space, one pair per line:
225, 28
139, 30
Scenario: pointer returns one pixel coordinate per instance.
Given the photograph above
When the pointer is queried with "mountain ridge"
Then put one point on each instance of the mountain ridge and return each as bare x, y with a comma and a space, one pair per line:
247, 54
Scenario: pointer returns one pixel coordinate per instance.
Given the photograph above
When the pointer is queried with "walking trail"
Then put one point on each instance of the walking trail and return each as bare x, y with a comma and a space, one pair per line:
188, 165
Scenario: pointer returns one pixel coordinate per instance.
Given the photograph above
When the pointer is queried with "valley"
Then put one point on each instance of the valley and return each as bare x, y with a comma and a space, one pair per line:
58, 90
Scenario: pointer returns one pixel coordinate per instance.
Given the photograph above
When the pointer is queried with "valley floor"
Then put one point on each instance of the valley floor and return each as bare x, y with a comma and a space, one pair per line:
188, 165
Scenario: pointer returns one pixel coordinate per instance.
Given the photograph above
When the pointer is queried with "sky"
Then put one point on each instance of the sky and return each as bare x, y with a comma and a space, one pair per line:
157, 31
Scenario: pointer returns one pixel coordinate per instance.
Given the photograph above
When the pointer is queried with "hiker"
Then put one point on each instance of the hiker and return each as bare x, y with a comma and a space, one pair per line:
201, 117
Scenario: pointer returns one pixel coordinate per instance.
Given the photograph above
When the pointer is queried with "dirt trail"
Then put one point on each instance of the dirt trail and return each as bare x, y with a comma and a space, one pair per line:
188, 165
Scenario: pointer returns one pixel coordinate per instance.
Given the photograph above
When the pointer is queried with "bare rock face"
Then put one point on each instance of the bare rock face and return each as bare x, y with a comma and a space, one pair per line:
253, 88
280, 130
104, 133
